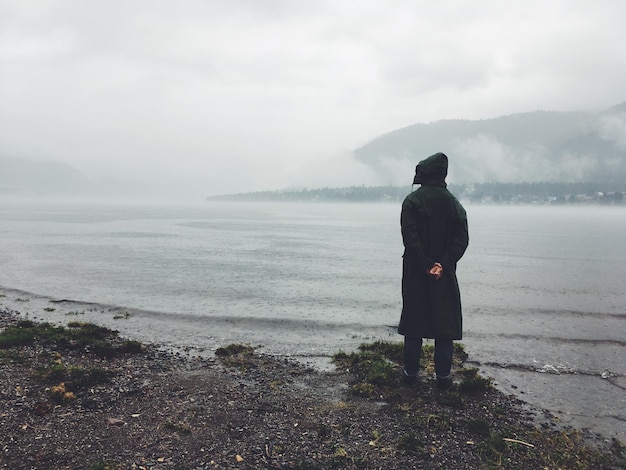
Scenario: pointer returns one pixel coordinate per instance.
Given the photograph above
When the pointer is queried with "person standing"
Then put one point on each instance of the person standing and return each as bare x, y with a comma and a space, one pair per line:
435, 237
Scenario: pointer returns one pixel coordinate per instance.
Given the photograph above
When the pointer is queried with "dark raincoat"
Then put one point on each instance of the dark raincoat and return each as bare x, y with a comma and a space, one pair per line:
434, 229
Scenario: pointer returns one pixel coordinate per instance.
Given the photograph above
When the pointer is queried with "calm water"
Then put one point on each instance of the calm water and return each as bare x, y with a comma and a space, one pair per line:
542, 287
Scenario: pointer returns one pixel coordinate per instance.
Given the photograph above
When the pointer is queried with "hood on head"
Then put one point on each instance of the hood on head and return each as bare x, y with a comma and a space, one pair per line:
432, 170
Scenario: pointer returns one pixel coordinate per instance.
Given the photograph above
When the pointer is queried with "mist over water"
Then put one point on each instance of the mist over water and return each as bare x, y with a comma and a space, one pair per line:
542, 287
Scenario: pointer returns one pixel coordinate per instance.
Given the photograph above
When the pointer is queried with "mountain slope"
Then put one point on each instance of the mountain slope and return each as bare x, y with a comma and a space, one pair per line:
535, 146
20, 176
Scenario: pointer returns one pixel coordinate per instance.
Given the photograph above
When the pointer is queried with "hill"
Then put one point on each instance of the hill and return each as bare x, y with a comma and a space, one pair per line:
542, 146
21, 176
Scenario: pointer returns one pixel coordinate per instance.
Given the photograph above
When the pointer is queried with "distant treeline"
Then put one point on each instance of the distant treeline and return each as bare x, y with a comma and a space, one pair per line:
347, 194
504, 193
556, 193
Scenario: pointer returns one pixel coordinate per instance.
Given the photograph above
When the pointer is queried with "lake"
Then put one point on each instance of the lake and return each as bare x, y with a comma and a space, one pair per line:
542, 286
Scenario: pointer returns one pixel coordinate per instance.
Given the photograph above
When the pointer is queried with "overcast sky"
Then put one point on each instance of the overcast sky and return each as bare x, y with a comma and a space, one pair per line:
242, 95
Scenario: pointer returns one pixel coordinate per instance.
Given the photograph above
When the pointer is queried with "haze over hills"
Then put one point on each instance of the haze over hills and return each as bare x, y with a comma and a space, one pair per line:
536, 146
33, 178
49, 177
541, 146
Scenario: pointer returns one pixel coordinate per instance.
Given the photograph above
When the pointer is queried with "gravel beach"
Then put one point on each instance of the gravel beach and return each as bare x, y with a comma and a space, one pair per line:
137, 406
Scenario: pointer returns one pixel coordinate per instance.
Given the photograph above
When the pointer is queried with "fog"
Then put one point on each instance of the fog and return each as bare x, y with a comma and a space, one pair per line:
203, 98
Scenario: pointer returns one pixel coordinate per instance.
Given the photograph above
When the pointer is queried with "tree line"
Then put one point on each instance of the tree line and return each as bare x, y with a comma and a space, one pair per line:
503, 193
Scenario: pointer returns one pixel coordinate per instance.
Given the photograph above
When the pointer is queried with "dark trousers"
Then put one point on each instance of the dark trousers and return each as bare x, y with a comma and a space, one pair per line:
413, 352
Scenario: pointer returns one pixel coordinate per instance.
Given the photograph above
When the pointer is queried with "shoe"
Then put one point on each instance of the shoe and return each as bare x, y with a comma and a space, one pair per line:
444, 383
408, 379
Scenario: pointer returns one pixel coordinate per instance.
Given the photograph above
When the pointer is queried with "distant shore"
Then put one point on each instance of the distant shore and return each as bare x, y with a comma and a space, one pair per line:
537, 193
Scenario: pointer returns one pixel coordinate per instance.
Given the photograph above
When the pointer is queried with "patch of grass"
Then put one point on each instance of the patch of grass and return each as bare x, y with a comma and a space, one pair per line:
122, 316
377, 364
93, 338
391, 351
88, 332
370, 367
49, 309
26, 332
75, 378
235, 349
236, 355
472, 382
53, 373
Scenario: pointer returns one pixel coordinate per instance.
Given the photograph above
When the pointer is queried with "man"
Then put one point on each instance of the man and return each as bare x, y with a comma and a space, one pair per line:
435, 236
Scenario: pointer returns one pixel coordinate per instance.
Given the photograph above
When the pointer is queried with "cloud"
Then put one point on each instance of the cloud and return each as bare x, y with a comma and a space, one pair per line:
18, 46
612, 127
486, 160
228, 94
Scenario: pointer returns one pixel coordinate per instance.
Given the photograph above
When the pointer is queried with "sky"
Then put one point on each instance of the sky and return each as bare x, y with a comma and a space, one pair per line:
204, 97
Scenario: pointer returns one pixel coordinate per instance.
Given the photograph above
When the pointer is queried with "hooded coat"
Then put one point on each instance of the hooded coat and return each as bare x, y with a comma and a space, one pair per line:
434, 229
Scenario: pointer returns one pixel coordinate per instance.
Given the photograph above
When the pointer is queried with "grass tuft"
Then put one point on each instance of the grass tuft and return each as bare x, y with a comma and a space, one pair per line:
472, 382
370, 367
93, 338
236, 355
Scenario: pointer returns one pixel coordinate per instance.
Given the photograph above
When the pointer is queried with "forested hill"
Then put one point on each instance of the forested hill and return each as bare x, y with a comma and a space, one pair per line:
534, 146
504, 193
541, 157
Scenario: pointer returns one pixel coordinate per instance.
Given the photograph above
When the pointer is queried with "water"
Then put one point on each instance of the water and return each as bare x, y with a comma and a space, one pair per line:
542, 287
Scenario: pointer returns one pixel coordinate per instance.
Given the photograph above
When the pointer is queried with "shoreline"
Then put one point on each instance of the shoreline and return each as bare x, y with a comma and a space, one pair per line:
559, 391
164, 409
542, 387
166, 387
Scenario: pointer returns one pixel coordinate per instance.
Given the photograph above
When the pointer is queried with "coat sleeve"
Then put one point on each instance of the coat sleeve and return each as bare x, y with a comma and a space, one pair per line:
411, 228
459, 238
